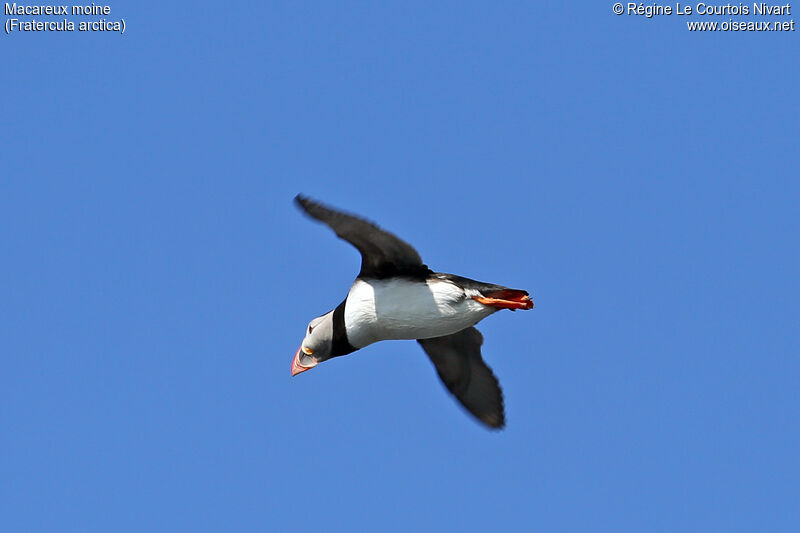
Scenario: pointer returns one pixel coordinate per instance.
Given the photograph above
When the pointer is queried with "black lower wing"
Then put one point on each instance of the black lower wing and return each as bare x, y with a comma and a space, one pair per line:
458, 361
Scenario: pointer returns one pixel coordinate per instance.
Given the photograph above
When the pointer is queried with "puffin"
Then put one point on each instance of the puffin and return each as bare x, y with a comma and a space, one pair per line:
396, 296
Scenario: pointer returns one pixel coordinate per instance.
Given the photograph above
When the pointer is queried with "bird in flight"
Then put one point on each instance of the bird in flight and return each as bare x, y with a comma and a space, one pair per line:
396, 296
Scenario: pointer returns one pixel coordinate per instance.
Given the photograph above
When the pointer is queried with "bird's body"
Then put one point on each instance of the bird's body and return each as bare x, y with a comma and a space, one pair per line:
402, 308
396, 296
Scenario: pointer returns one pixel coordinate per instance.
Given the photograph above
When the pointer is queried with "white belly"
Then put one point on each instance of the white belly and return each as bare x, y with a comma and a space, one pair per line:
403, 309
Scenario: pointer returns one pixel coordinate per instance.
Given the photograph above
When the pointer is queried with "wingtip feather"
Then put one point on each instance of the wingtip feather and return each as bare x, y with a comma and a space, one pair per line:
301, 200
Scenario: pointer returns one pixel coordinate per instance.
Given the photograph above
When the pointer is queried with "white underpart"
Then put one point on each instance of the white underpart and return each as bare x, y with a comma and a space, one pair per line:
404, 309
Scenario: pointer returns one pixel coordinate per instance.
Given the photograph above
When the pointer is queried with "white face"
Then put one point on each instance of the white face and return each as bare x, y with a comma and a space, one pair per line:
319, 337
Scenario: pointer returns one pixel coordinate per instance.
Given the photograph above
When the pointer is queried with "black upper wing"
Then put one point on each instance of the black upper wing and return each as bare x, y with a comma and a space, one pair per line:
382, 254
458, 361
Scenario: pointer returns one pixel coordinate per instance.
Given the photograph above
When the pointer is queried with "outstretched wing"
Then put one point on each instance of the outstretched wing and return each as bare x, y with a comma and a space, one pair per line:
382, 254
458, 361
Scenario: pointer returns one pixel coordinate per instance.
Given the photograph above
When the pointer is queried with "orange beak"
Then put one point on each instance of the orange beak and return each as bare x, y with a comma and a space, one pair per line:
298, 367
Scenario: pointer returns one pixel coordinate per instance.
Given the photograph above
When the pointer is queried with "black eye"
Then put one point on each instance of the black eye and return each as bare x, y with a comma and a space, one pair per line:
310, 329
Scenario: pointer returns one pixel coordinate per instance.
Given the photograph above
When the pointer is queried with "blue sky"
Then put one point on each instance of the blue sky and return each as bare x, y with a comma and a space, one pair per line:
639, 179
